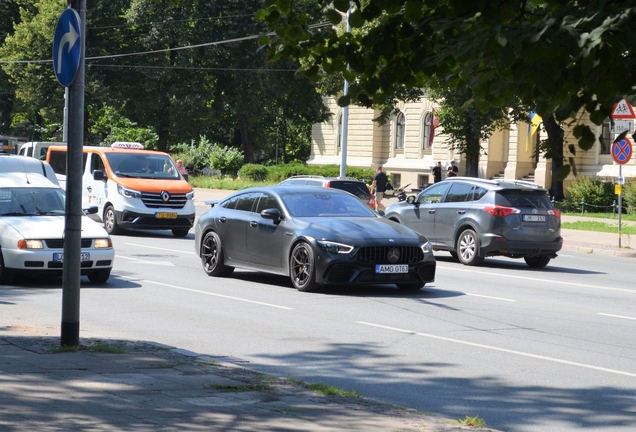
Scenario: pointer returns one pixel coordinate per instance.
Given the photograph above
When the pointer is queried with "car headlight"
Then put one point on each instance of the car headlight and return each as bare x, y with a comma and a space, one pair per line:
427, 248
190, 195
102, 243
30, 244
128, 193
334, 247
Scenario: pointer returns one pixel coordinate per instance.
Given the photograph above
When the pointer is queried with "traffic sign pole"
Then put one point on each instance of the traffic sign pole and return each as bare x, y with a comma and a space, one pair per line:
71, 274
620, 205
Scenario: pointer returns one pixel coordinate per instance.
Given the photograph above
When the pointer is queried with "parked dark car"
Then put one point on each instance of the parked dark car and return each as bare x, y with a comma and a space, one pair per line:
317, 236
477, 218
349, 184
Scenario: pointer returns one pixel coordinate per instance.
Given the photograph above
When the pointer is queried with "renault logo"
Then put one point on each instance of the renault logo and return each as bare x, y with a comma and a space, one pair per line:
393, 255
165, 196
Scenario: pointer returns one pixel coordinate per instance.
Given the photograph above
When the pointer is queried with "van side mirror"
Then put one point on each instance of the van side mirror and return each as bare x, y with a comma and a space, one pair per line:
99, 175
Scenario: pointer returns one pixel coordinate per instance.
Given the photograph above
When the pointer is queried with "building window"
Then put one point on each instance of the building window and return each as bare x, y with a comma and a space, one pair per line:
396, 180
427, 139
339, 132
422, 181
400, 128
607, 137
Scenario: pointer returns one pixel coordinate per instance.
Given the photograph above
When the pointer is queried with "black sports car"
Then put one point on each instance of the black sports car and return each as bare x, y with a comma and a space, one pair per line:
316, 236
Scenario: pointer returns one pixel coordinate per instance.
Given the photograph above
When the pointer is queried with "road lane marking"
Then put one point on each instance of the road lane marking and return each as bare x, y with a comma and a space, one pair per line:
211, 294
617, 316
489, 297
163, 249
143, 261
549, 281
504, 350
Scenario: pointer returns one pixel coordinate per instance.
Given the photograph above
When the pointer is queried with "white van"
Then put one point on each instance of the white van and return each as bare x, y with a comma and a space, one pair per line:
37, 149
24, 164
132, 188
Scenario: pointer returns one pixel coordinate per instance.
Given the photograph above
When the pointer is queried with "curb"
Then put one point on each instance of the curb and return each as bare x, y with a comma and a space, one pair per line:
622, 253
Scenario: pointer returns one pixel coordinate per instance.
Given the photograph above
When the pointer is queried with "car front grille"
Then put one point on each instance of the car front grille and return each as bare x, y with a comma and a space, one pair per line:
59, 243
154, 200
380, 254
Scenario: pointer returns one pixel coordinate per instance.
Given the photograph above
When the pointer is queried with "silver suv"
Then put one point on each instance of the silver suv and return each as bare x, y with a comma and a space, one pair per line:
475, 218
348, 184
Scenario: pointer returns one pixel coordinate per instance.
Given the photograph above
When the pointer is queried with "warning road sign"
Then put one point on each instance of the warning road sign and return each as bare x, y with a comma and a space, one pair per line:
623, 110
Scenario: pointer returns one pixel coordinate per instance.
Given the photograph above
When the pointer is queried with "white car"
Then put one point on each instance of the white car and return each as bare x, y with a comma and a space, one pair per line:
32, 231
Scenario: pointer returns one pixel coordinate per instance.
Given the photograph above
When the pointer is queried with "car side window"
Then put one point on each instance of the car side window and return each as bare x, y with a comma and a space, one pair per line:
246, 201
459, 192
314, 183
97, 163
267, 201
478, 193
433, 194
230, 203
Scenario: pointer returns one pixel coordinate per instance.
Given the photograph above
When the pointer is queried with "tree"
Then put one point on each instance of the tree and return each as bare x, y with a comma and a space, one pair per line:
564, 53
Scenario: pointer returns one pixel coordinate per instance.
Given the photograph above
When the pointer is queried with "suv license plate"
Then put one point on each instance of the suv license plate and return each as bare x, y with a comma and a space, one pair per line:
166, 215
59, 257
391, 268
534, 218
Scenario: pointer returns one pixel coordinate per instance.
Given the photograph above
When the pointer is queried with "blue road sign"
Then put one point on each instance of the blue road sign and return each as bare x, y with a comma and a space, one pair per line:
67, 47
622, 151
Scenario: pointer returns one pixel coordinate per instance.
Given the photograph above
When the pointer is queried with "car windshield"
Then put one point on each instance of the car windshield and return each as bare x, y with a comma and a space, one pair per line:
325, 204
140, 165
31, 202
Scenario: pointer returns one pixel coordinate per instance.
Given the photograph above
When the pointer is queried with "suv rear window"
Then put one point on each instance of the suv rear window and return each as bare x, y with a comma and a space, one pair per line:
358, 189
519, 198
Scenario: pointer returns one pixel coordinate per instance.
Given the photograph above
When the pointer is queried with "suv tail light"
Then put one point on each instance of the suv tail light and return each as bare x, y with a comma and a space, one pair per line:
328, 184
501, 211
555, 212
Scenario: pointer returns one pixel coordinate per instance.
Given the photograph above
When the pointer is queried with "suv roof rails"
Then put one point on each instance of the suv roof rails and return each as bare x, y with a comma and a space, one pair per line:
321, 177
498, 181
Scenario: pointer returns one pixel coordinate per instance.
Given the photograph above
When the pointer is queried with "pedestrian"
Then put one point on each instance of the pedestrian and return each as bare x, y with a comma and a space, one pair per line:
450, 172
379, 187
437, 172
182, 170
454, 167
207, 170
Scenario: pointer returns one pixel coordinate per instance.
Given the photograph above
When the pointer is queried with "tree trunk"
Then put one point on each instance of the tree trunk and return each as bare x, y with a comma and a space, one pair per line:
164, 130
473, 148
246, 139
555, 152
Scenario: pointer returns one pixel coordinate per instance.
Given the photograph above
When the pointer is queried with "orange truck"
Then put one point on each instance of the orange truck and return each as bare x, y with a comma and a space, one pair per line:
132, 188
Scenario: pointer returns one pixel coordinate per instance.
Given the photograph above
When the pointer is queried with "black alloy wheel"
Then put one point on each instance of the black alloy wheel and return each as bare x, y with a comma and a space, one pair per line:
302, 268
212, 256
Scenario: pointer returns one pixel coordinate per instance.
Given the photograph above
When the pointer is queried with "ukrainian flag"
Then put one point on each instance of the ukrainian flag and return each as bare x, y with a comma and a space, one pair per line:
535, 121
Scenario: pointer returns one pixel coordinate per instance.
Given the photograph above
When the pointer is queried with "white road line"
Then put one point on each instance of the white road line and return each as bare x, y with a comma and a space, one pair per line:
617, 316
488, 297
211, 294
143, 261
164, 249
490, 347
549, 281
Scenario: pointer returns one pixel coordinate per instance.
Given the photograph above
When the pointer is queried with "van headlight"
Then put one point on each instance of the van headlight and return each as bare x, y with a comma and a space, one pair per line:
427, 248
190, 195
128, 193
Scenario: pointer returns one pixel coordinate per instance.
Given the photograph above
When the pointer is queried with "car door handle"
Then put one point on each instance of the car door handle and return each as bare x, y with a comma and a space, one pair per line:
89, 189
461, 211
431, 212
253, 224
222, 219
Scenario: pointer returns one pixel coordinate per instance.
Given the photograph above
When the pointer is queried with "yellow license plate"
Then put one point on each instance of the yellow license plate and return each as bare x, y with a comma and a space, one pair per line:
166, 215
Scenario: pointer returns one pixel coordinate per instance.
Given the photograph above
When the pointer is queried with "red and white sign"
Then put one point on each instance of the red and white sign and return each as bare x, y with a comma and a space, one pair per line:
622, 151
623, 110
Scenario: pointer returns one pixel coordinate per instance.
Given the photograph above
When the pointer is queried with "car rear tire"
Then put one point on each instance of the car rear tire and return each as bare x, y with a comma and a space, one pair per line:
110, 220
537, 261
99, 276
412, 286
468, 248
180, 233
302, 268
212, 256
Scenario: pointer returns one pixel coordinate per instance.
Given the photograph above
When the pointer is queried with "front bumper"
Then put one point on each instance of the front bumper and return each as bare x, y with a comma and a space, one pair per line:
41, 260
150, 221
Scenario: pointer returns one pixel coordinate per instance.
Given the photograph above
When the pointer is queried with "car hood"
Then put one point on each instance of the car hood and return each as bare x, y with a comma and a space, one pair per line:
360, 231
39, 227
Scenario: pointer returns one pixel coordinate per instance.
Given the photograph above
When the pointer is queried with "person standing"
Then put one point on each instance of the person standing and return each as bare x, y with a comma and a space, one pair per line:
450, 172
379, 187
437, 172
454, 167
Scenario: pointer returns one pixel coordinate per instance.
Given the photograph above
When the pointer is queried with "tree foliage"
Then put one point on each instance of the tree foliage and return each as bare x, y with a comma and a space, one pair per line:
568, 56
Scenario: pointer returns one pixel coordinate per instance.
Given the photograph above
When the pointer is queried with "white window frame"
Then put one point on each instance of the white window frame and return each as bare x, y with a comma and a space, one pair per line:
400, 131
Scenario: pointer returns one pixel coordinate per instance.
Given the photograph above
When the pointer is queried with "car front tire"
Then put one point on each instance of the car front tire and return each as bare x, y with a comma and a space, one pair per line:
212, 256
302, 268
99, 276
5, 276
537, 261
180, 233
110, 220
468, 248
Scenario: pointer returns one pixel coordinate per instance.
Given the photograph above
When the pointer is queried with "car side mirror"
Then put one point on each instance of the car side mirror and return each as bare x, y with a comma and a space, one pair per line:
90, 210
99, 175
410, 199
273, 214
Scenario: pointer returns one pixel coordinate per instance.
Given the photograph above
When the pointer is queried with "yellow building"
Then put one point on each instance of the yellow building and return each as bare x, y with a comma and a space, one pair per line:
409, 145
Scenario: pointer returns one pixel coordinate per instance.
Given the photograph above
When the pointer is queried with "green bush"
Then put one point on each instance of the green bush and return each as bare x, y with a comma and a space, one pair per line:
195, 156
597, 194
629, 196
253, 172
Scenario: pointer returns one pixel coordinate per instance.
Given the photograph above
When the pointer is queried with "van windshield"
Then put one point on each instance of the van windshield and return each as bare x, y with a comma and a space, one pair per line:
139, 165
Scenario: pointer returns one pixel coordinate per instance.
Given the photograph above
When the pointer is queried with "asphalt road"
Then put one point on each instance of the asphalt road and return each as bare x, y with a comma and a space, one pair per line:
526, 350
